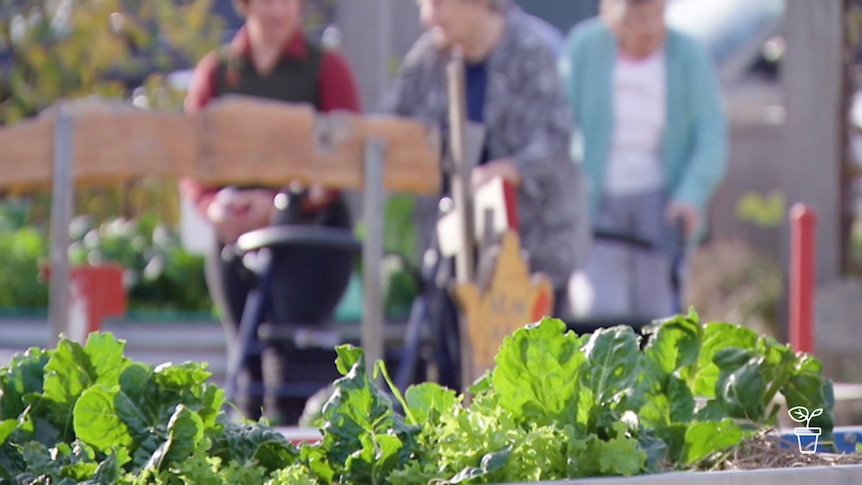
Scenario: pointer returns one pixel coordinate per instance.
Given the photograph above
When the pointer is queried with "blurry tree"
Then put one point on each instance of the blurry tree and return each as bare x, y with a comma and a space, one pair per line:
155, 91
71, 48
56, 49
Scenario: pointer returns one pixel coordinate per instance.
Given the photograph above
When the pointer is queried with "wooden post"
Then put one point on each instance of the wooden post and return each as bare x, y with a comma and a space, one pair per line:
460, 187
812, 75
852, 14
62, 211
372, 252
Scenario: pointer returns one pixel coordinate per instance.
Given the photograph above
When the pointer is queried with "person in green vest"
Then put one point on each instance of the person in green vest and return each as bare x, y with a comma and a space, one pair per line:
271, 57
652, 140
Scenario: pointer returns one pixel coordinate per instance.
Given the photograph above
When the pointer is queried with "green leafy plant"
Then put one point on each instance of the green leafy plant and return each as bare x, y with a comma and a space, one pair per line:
87, 412
20, 287
159, 274
65, 49
764, 211
560, 406
556, 406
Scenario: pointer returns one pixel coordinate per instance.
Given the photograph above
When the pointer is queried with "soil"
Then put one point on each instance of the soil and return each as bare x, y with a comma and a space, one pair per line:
768, 451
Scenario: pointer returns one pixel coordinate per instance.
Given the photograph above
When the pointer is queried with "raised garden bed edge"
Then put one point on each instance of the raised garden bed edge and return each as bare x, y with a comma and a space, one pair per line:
833, 475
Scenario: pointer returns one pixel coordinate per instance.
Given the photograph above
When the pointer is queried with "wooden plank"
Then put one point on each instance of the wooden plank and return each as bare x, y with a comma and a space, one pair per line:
117, 145
233, 141
247, 141
412, 153
27, 154
240, 146
113, 141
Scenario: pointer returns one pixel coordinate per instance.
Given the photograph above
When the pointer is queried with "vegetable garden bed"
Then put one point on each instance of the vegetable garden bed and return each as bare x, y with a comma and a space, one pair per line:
557, 407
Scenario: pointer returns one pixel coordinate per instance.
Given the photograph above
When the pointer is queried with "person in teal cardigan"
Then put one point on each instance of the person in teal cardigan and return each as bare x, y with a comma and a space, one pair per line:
652, 140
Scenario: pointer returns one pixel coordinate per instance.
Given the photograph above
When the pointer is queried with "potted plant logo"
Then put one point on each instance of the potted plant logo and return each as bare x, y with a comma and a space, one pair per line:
807, 437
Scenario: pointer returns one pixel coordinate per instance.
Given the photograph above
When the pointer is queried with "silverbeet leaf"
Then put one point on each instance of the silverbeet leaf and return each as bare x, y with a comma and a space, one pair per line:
253, 443
6, 428
97, 422
676, 343
742, 392
185, 432
537, 373
702, 439
23, 376
702, 377
613, 364
364, 439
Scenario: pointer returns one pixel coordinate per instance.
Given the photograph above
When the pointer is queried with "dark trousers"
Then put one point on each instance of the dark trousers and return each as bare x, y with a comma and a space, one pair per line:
307, 285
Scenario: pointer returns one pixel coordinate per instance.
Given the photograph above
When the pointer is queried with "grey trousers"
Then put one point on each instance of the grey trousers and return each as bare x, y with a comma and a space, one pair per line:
621, 279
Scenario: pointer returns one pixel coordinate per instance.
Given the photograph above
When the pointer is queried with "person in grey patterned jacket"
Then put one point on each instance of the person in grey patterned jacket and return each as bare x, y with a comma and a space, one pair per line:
514, 89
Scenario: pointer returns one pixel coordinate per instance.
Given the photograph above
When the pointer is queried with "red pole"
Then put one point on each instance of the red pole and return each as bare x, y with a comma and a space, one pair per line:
803, 224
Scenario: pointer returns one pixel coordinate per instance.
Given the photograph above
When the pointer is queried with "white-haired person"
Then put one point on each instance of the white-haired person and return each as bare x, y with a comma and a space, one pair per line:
654, 147
513, 88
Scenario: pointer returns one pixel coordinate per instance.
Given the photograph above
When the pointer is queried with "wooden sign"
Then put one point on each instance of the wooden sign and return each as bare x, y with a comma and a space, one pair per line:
235, 140
511, 299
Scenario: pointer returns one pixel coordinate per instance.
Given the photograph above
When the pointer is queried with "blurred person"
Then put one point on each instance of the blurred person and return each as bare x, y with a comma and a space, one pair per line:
270, 57
652, 141
514, 89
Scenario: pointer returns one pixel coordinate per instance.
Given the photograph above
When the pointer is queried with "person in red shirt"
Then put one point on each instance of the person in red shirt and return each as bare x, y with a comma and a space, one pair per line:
271, 57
